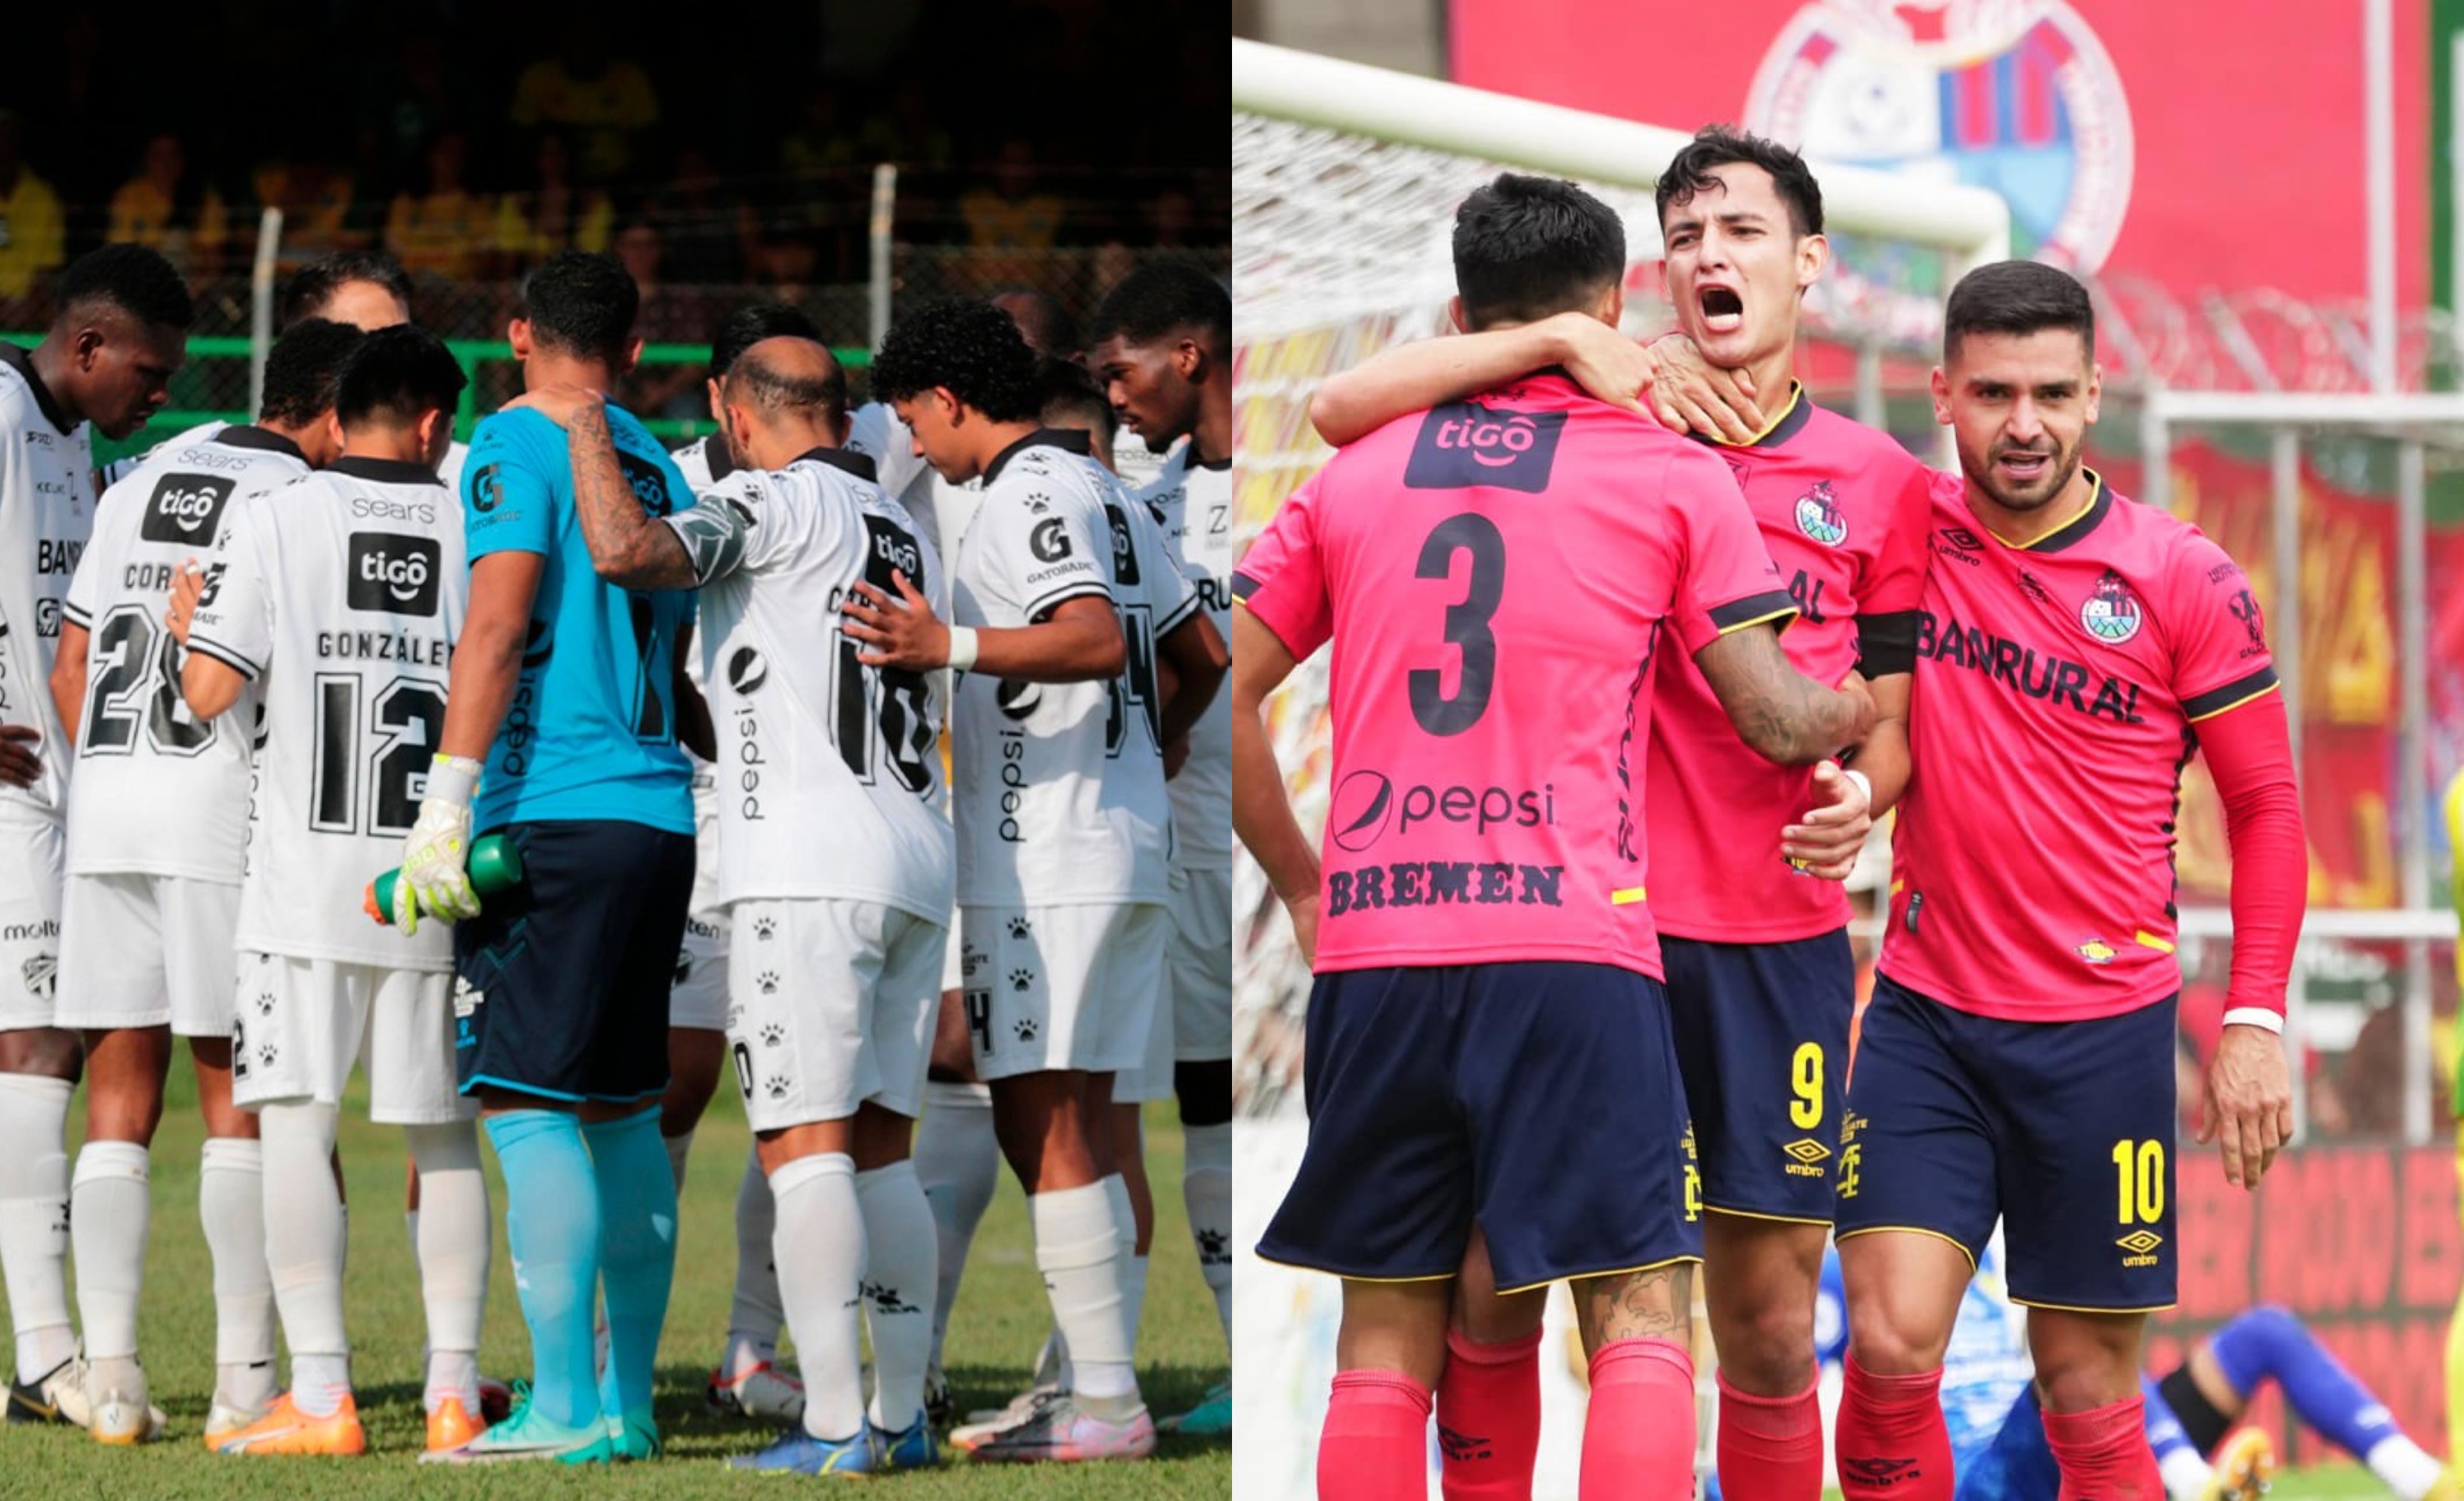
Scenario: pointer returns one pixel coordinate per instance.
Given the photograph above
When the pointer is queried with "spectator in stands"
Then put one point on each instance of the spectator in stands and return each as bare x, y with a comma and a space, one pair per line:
824, 145
319, 204
704, 229
552, 213
910, 132
417, 99
443, 232
1012, 212
30, 215
168, 208
605, 103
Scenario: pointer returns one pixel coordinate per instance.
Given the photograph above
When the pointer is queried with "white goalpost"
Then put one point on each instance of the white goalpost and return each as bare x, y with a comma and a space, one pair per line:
1345, 179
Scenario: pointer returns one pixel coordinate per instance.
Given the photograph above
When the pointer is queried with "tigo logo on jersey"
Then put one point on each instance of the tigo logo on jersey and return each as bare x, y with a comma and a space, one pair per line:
393, 574
1468, 444
185, 509
2112, 613
1819, 515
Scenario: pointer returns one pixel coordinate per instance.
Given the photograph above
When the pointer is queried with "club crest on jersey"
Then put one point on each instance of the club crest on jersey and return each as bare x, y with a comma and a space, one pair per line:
2096, 951
2112, 615
1819, 515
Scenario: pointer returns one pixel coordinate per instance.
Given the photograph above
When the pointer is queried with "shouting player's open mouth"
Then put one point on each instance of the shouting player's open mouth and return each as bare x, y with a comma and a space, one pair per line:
1723, 312
2024, 467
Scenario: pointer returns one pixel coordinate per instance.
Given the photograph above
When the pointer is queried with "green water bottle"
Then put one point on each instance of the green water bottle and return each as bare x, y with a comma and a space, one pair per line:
495, 866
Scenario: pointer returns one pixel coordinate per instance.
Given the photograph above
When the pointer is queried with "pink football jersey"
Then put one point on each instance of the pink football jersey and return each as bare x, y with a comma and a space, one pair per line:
2059, 690
1497, 576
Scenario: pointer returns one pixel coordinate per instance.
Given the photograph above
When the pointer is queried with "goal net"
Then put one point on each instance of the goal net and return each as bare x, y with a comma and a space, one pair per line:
1345, 181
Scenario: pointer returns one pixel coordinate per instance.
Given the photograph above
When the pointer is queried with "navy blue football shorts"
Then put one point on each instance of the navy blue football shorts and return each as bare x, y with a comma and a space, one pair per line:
1540, 1100
563, 980
2064, 1129
1762, 1041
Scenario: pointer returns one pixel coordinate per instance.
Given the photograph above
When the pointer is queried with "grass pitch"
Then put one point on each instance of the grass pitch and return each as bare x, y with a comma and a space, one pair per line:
1000, 1320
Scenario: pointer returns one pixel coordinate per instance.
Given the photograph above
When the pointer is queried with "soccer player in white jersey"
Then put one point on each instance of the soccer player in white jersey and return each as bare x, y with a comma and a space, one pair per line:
1071, 626
155, 837
747, 1380
105, 363
1162, 347
334, 602
834, 972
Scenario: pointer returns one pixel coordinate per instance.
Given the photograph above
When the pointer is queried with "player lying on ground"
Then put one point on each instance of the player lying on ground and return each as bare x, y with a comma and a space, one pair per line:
1761, 982
1482, 930
835, 987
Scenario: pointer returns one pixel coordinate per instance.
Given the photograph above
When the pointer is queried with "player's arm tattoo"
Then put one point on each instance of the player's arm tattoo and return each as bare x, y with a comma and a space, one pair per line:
1658, 1304
1783, 714
628, 547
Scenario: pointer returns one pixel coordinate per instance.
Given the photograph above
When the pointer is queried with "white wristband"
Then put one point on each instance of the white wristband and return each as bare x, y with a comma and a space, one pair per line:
1864, 782
2258, 1016
963, 648
451, 779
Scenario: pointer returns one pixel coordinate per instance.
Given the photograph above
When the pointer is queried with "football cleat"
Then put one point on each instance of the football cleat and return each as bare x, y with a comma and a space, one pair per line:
56, 1396
2244, 1466
796, 1452
911, 1447
525, 1435
938, 1404
757, 1391
450, 1425
634, 1436
1211, 1418
222, 1420
121, 1420
285, 1429
1066, 1431
984, 1421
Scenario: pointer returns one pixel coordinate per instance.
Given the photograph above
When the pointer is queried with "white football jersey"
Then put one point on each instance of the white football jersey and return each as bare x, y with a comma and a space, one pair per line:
45, 515
341, 594
1192, 503
940, 508
703, 462
120, 469
158, 792
1059, 785
829, 771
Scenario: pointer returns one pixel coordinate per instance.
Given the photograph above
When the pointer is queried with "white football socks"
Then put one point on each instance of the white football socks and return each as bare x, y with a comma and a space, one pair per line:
2186, 1475
819, 1247
231, 1201
1078, 1248
901, 1243
109, 1213
305, 1243
958, 1160
756, 1316
1206, 1189
2408, 1470
35, 1219
452, 1248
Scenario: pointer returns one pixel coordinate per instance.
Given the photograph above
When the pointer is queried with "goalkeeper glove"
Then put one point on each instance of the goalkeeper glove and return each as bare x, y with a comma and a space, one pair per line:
433, 879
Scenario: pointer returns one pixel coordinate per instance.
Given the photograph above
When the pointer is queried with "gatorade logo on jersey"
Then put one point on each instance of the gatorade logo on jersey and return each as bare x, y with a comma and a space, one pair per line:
185, 509
393, 574
1049, 541
1465, 444
1125, 556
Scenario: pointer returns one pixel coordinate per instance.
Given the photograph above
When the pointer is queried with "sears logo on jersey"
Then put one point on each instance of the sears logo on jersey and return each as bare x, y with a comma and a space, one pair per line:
1467, 444
185, 508
1050, 541
393, 574
1125, 556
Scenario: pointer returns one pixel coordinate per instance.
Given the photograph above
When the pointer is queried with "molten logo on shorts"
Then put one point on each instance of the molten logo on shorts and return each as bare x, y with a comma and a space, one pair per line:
1467, 444
393, 574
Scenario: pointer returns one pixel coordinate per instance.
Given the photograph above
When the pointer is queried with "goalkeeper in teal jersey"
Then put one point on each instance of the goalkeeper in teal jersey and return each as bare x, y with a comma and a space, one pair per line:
565, 686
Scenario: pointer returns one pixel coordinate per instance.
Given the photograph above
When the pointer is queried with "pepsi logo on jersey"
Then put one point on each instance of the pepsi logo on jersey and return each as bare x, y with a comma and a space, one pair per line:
185, 508
394, 574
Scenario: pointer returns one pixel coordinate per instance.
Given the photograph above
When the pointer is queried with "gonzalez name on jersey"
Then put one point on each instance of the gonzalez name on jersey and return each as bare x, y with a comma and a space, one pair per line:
341, 595
1059, 785
46, 516
158, 792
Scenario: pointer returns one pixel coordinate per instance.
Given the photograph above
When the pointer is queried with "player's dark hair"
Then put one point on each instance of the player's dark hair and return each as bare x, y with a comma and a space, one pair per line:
1071, 398
303, 371
748, 326
1527, 246
1158, 301
2017, 296
582, 304
755, 382
1047, 325
969, 346
1689, 172
394, 375
313, 285
131, 278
